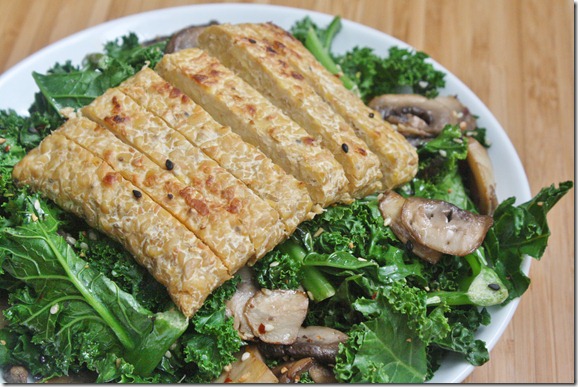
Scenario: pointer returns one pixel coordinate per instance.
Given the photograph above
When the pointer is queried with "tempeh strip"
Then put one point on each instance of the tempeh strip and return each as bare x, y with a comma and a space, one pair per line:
254, 60
234, 103
172, 151
398, 158
283, 192
219, 229
85, 185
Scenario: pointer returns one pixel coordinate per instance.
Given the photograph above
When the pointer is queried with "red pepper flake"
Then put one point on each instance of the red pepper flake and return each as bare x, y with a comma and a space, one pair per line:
7, 148
228, 380
374, 296
262, 329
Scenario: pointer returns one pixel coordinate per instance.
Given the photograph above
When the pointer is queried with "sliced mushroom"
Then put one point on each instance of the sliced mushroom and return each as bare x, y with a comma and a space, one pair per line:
16, 374
482, 181
235, 307
390, 206
443, 226
321, 343
186, 38
275, 316
415, 115
248, 368
292, 372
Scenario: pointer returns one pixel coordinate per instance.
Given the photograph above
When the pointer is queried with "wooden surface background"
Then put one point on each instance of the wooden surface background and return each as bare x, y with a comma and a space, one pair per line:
516, 55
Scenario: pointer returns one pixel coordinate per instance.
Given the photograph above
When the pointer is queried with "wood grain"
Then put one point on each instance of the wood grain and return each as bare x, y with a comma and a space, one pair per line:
516, 55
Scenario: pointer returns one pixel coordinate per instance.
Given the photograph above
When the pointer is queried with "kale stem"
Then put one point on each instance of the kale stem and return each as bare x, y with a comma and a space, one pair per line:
317, 286
314, 45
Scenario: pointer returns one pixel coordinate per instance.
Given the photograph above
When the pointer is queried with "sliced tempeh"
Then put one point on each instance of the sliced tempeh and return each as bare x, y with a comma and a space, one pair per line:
283, 192
234, 103
398, 158
85, 185
212, 222
172, 151
254, 60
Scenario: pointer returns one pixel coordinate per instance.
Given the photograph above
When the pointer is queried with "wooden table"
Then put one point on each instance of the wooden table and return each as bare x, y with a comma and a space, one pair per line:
516, 55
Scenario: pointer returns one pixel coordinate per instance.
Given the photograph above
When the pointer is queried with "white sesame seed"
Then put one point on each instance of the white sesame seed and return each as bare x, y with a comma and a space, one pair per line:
83, 246
168, 354
245, 356
54, 309
266, 292
227, 368
274, 264
318, 232
458, 140
443, 153
269, 327
423, 84
362, 259
387, 221
70, 240
92, 235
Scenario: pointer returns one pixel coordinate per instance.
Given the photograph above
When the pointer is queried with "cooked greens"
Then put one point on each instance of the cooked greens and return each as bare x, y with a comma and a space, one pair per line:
78, 301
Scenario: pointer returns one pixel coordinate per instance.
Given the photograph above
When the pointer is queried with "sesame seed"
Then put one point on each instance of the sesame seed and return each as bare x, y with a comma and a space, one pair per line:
227, 368
168, 354
92, 235
245, 356
495, 287
274, 264
269, 327
318, 232
54, 309
387, 221
253, 41
345, 147
70, 240
137, 194
83, 246
362, 259
170, 196
371, 115
443, 153
169, 164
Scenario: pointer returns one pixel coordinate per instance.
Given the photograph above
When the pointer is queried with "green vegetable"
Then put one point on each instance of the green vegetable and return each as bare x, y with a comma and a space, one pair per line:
483, 287
68, 306
67, 86
361, 70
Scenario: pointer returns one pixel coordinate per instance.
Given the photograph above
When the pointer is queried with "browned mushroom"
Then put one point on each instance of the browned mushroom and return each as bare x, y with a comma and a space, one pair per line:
415, 115
433, 226
482, 181
235, 307
275, 316
390, 206
248, 368
186, 38
16, 374
321, 343
292, 372
443, 226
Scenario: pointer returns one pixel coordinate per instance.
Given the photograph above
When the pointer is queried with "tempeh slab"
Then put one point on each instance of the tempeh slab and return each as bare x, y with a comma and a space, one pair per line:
170, 150
234, 103
270, 182
398, 158
212, 222
85, 185
259, 64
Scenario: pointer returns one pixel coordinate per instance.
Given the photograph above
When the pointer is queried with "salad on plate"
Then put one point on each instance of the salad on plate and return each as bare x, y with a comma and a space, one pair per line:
381, 288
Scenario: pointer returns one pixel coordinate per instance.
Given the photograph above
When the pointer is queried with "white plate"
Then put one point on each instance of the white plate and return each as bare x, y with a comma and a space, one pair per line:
17, 89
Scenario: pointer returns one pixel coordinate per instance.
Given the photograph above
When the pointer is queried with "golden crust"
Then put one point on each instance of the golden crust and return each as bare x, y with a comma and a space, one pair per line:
234, 103
211, 221
85, 185
171, 150
398, 158
267, 70
283, 192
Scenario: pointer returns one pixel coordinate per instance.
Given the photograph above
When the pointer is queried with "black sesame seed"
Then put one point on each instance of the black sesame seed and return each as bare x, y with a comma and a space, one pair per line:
169, 164
137, 194
252, 41
371, 115
345, 148
170, 196
494, 286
